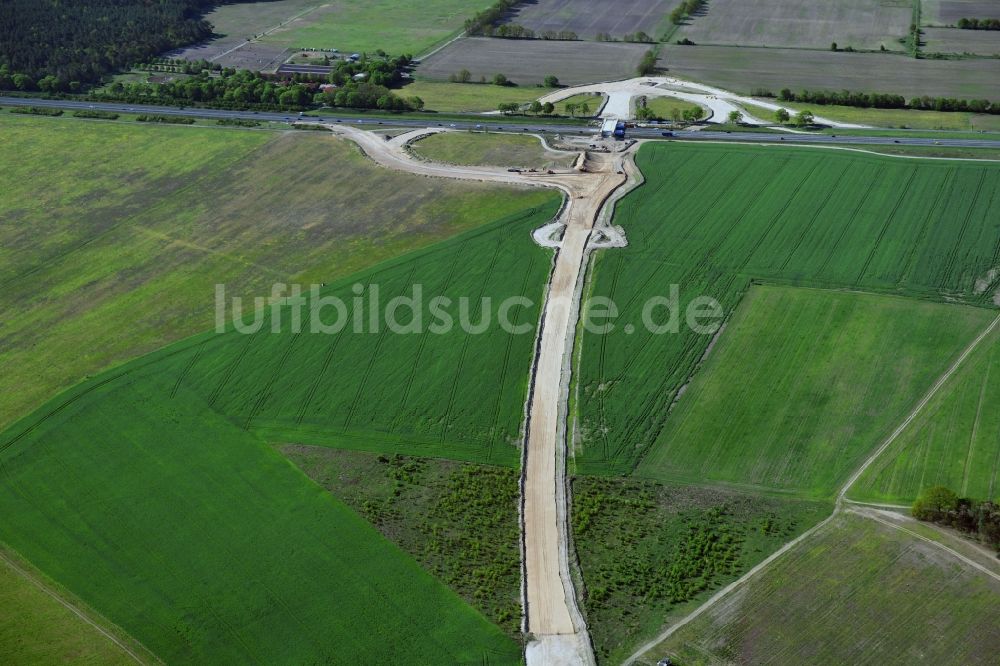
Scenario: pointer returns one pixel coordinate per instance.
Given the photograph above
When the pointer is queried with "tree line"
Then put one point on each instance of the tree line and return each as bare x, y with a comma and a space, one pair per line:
56, 46
685, 10
889, 101
979, 24
359, 85
980, 519
484, 22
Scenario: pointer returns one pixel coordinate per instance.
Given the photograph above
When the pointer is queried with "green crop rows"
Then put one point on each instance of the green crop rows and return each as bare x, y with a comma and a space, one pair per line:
954, 442
804, 384
713, 218
171, 515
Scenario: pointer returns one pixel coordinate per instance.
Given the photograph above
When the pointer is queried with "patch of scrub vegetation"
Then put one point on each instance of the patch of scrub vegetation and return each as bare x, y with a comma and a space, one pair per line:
201, 541
804, 383
856, 592
646, 549
58, 635
458, 520
481, 148
714, 219
669, 108
171, 211
954, 441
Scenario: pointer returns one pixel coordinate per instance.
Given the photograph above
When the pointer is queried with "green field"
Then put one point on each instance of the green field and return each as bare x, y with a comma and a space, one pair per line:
168, 212
803, 384
468, 97
458, 520
712, 218
477, 148
594, 103
650, 552
855, 593
150, 491
664, 107
58, 636
394, 26
954, 442
206, 545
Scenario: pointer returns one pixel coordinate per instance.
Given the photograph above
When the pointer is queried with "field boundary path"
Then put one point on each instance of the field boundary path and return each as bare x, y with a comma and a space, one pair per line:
77, 611
552, 619
842, 505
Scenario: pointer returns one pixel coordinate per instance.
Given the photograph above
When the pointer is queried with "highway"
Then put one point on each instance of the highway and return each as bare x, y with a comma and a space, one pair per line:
504, 124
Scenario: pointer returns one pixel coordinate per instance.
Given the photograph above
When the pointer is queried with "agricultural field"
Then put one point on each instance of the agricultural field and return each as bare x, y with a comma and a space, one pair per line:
857, 592
468, 97
458, 520
954, 442
591, 17
812, 24
743, 69
595, 103
278, 28
954, 40
478, 148
891, 118
191, 207
649, 551
711, 219
213, 548
59, 636
803, 384
948, 12
528, 62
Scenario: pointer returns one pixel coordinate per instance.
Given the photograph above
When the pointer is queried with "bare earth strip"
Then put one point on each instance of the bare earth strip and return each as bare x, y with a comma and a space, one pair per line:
555, 624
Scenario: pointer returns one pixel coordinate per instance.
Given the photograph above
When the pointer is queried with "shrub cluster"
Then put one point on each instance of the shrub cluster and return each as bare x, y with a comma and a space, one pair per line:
170, 120
97, 115
977, 518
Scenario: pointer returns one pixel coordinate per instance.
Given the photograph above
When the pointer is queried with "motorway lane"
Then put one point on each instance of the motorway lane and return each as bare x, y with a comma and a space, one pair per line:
502, 124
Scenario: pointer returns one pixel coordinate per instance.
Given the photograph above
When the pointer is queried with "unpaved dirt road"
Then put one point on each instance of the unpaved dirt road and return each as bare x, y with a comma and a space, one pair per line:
558, 631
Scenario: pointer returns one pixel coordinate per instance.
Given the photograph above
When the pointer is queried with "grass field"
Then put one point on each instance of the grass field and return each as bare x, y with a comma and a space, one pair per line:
649, 551
171, 211
855, 593
58, 636
457, 519
205, 544
594, 102
528, 62
711, 218
664, 107
743, 69
477, 148
862, 24
803, 384
396, 27
468, 97
955, 441
891, 118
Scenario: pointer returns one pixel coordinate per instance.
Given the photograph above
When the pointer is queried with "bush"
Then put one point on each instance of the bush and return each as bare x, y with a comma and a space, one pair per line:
36, 111
97, 115
170, 120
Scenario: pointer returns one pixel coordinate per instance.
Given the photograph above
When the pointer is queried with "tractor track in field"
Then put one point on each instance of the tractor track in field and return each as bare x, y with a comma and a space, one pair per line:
841, 506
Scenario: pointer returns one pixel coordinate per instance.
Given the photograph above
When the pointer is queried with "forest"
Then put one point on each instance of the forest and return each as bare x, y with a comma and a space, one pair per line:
56, 46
